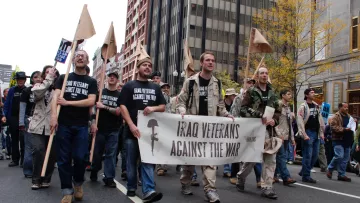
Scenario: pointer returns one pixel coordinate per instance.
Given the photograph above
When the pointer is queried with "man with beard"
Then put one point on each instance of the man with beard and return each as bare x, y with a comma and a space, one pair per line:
107, 132
72, 131
134, 97
210, 103
11, 116
253, 106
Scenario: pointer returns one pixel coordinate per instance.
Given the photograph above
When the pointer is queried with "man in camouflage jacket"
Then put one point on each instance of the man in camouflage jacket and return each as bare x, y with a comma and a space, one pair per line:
253, 106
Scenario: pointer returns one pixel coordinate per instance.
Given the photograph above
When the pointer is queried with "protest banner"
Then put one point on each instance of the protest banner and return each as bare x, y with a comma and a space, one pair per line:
63, 51
199, 140
325, 111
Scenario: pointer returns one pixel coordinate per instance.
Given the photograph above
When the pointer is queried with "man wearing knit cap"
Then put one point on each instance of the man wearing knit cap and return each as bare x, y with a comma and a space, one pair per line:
131, 100
156, 77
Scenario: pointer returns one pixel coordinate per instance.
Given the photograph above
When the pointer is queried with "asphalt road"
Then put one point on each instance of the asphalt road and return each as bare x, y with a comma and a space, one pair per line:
15, 188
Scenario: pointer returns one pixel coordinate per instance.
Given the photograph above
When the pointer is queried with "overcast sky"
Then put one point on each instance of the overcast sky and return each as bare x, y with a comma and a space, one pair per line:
31, 31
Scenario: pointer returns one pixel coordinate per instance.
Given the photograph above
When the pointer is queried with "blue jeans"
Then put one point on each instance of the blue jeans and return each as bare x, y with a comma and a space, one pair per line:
28, 166
71, 143
6, 132
147, 170
3, 140
108, 141
281, 163
340, 160
290, 152
310, 153
258, 170
227, 168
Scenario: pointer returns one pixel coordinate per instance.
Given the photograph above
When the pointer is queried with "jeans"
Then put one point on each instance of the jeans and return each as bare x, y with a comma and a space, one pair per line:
5, 131
3, 140
121, 149
290, 152
71, 143
108, 141
310, 153
16, 137
39, 145
28, 166
227, 168
147, 170
281, 163
258, 170
340, 160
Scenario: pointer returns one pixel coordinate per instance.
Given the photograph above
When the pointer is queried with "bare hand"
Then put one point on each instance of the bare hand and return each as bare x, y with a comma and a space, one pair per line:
93, 129
270, 122
182, 115
293, 143
148, 110
263, 120
53, 124
61, 101
135, 131
100, 105
306, 137
231, 116
322, 137
3, 119
52, 72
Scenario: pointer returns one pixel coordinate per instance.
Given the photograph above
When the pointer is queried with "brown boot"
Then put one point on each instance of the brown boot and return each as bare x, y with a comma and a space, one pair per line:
160, 172
79, 193
276, 180
258, 184
67, 199
289, 181
233, 181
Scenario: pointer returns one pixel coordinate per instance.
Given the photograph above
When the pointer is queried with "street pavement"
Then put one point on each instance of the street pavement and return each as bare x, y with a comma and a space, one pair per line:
15, 188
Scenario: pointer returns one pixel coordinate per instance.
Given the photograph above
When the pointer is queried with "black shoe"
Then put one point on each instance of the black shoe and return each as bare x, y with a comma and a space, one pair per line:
109, 183
28, 176
154, 197
309, 181
12, 164
240, 187
36, 186
124, 176
300, 174
323, 170
93, 176
344, 178
130, 193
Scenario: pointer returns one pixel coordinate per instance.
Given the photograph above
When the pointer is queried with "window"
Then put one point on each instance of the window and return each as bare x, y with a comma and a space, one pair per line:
354, 33
208, 33
198, 32
192, 30
193, 9
200, 10
319, 46
214, 35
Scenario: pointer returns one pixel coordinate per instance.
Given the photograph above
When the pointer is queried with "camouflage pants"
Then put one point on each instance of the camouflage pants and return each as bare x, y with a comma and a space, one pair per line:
267, 173
208, 179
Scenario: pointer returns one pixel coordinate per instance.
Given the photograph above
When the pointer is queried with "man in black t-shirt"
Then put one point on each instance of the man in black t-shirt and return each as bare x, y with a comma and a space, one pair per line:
11, 116
310, 127
26, 112
72, 131
107, 132
139, 94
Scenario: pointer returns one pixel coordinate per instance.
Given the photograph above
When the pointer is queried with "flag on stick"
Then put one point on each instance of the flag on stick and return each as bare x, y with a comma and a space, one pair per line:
140, 54
188, 61
84, 30
108, 50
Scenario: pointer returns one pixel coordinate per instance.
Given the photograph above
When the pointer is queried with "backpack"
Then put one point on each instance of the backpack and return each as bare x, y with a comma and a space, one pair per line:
191, 92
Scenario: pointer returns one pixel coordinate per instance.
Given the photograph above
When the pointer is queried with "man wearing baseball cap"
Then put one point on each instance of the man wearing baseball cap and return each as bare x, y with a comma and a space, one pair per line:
11, 115
107, 132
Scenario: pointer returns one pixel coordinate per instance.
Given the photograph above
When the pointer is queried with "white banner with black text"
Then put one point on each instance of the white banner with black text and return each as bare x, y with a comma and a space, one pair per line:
199, 140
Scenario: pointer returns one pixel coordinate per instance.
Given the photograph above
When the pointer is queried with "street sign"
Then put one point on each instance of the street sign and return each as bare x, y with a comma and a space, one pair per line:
63, 51
325, 111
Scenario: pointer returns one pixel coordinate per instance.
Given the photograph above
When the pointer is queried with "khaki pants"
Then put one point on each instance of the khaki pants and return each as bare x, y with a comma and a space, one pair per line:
267, 173
208, 179
322, 157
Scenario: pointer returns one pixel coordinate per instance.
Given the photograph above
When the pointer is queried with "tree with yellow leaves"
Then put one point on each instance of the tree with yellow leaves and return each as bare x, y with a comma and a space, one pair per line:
295, 28
12, 80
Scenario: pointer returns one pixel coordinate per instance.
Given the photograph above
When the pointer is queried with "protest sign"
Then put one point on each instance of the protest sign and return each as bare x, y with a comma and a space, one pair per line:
199, 140
63, 51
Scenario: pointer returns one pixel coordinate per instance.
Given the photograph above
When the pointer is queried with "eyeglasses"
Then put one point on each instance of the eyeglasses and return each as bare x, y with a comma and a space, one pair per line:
80, 56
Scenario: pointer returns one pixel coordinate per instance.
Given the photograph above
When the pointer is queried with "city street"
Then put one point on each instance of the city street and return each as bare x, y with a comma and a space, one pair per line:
15, 188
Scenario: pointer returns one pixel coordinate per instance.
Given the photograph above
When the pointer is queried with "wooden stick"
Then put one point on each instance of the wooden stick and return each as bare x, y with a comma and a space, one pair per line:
99, 100
51, 138
136, 59
248, 58
257, 69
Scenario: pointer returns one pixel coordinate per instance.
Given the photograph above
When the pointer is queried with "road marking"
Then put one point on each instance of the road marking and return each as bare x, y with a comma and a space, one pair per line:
122, 189
326, 190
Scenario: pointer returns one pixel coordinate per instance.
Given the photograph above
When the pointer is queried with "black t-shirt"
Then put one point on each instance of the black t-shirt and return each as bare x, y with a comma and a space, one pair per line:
313, 122
15, 108
137, 95
228, 107
108, 121
78, 87
265, 96
203, 96
28, 97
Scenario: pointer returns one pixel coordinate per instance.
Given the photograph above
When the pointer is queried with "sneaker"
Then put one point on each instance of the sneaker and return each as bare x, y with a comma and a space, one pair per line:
7, 157
185, 189
227, 175
124, 176
67, 199
160, 172
109, 183
313, 171
93, 176
139, 183
35, 186
240, 185
289, 181
269, 193
153, 197
212, 196
309, 181
290, 162
79, 193
130, 193
344, 178
233, 181
329, 174
194, 183
12, 164
45, 185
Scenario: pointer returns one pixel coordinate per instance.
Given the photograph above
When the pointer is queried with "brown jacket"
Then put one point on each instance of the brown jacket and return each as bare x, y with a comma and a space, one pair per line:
337, 128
